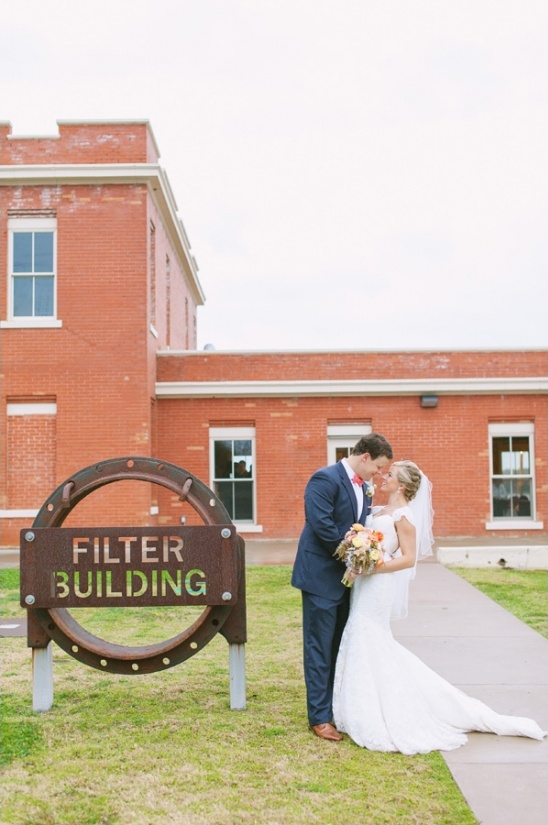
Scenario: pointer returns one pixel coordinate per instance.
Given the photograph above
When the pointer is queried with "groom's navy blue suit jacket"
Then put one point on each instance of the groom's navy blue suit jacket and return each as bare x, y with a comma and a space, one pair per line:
330, 510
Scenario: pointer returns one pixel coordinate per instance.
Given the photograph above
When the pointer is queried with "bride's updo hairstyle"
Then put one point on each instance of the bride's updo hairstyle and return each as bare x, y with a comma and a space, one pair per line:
410, 476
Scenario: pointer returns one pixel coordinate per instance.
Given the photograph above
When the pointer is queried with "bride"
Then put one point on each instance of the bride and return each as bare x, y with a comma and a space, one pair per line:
385, 698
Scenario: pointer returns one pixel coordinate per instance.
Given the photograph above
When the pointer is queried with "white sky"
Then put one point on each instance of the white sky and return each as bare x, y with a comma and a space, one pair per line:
352, 174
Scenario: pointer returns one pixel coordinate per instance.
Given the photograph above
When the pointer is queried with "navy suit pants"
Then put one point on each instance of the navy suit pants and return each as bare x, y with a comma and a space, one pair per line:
323, 625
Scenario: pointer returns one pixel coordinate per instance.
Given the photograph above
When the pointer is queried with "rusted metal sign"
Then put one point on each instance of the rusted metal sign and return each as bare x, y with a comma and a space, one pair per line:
135, 567
63, 568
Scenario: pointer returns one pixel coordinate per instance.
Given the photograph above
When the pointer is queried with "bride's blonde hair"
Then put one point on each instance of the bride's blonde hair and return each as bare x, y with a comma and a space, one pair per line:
410, 476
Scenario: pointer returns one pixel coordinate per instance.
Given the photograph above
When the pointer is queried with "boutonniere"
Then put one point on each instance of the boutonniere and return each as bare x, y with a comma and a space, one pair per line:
370, 491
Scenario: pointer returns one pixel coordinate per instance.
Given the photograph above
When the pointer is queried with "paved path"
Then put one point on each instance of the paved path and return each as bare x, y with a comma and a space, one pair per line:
488, 653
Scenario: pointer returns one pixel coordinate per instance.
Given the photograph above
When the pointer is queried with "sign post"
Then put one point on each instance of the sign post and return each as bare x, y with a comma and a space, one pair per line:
64, 568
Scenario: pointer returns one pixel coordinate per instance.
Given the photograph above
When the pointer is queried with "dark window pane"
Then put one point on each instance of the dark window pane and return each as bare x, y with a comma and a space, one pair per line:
43, 251
242, 469
233, 460
512, 495
22, 297
22, 253
520, 455
502, 498
224, 490
223, 459
243, 500
522, 503
242, 448
501, 455
341, 452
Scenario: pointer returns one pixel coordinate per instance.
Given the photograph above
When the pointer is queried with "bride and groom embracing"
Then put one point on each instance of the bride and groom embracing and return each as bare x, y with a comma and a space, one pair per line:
359, 680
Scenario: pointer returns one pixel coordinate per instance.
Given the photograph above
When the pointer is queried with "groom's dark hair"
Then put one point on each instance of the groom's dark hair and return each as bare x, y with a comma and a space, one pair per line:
375, 444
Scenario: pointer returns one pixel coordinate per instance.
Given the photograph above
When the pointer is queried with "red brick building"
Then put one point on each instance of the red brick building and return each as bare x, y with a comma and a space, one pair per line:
98, 360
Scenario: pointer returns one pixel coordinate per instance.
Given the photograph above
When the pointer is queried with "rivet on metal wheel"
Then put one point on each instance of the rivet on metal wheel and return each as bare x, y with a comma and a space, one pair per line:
225, 533
226, 597
29, 599
29, 536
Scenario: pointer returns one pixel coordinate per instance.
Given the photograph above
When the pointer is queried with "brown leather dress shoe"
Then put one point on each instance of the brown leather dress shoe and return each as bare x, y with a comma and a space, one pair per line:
326, 731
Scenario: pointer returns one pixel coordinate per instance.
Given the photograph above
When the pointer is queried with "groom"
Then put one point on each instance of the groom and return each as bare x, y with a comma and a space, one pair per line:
335, 498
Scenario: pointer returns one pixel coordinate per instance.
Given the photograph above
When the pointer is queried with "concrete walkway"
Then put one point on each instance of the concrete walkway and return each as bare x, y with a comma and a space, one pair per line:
489, 654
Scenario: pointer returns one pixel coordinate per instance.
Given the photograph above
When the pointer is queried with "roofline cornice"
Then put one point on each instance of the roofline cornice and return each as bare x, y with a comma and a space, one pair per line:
387, 387
150, 174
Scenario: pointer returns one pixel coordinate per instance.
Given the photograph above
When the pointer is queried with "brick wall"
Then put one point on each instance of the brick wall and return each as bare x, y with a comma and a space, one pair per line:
295, 366
449, 442
31, 443
122, 142
100, 365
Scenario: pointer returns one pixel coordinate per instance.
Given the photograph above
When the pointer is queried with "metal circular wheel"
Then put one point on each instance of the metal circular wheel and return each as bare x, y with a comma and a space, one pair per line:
59, 623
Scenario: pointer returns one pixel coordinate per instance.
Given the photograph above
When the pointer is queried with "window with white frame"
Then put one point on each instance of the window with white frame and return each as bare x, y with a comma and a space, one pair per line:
512, 472
32, 267
342, 438
232, 463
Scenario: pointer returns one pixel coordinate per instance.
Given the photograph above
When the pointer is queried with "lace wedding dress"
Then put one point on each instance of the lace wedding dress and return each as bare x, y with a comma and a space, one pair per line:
385, 698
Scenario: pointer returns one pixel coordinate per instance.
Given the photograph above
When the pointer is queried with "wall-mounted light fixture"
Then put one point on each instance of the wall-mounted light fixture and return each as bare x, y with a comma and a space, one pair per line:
429, 400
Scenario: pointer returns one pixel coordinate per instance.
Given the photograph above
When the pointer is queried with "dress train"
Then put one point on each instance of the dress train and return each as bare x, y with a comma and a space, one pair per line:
385, 698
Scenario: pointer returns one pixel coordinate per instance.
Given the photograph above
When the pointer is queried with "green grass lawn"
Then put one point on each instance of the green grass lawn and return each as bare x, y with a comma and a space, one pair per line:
522, 592
165, 749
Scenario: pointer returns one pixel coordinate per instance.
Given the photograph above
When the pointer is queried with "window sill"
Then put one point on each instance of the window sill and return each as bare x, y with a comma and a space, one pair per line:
514, 524
31, 323
18, 513
243, 527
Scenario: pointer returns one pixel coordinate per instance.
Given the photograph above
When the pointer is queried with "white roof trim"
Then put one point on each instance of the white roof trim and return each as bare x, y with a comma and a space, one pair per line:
412, 386
441, 350
150, 174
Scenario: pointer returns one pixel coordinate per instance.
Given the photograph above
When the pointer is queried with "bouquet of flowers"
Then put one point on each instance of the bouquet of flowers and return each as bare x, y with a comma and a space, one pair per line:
361, 551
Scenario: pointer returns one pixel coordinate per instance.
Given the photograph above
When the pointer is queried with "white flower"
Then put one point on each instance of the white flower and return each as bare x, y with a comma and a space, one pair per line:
370, 491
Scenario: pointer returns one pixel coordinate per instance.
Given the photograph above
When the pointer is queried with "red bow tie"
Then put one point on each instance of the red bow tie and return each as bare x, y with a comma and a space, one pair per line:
357, 480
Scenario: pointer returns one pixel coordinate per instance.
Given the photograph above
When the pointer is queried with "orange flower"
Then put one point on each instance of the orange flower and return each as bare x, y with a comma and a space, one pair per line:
361, 552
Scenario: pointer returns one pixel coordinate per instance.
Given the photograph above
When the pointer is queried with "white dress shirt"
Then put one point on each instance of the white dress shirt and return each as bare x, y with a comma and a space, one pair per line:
358, 490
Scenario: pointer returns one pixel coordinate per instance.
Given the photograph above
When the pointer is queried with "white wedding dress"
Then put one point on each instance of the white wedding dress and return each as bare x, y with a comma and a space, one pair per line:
385, 698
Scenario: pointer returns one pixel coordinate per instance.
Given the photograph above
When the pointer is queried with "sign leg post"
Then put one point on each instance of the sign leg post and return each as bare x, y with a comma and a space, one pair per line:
236, 658
42, 677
